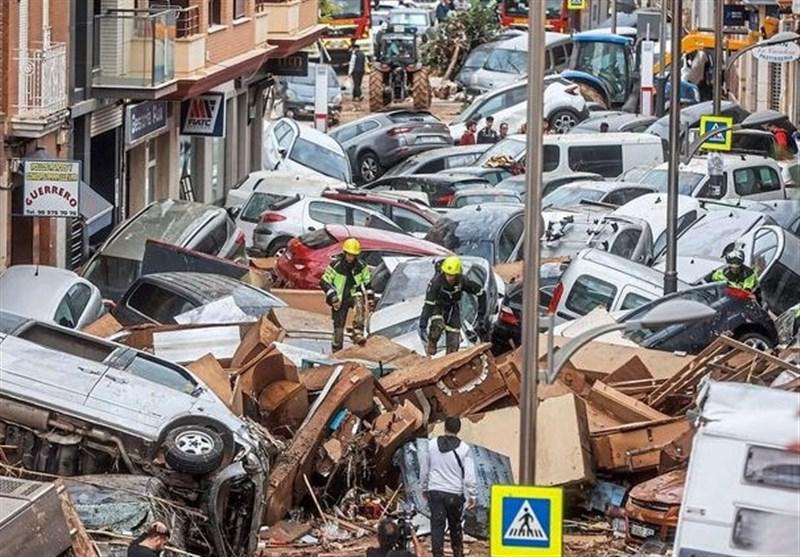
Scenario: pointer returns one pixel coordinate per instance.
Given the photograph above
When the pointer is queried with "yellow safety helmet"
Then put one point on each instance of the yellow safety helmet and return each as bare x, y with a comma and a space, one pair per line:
353, 247
452, 265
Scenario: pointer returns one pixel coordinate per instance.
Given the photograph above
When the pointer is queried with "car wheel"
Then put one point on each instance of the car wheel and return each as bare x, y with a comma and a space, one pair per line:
369, 168
563, 121
194, 450
278, 247
756, 340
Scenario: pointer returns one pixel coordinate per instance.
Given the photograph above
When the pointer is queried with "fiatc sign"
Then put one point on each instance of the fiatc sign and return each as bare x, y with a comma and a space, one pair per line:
51, 188
204, 115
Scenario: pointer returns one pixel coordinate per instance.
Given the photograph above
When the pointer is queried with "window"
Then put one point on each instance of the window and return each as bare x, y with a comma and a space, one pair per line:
517, 95
239, 9
260, 202
157, 372
507, 61
364, 127
158, 304
625, 243
77, 298
431, 167
559, 56
317, 239
605, 160
684, 222
551, 156
211, 241
79, 346
64, 316
509, 238
752, 181
588, 293
779, 286
765, 533
214, 12
633, 301
327, 213
765, 246
622, 196
345, 134
772, 467
320, 159
458, 161
714, 191
410, 221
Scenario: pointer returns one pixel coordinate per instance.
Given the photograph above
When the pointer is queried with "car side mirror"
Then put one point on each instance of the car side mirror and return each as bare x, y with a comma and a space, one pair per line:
343, 88
282, 152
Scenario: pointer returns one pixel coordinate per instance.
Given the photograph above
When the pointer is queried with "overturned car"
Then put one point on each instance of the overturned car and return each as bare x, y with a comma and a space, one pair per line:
72, 404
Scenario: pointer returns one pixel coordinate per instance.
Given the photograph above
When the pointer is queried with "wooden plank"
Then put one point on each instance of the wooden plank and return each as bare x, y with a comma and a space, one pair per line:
563, 452
626, 408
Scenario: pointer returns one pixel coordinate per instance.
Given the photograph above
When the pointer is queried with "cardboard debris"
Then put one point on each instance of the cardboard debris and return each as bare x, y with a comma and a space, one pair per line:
209, 370
381, 349
182, 346
287, 531
509, 272
635, 447
627, 409
258, 338
392, 430
283, 403
563, 452
103, 327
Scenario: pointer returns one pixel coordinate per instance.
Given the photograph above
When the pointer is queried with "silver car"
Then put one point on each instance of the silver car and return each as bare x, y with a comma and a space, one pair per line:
50, 294
272, 225
105, 407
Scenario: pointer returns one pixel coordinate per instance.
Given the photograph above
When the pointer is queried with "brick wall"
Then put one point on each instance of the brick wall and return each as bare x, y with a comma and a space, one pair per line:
234, 39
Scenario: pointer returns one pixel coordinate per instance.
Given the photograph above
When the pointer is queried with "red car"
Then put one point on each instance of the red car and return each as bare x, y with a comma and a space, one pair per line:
306, 257
412, 217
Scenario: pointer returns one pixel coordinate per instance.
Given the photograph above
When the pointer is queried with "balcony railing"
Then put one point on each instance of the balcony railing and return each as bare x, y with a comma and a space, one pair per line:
43, 81
188, 23
135, 48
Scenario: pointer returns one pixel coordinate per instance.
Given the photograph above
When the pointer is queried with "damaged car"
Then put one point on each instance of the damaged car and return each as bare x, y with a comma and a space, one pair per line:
72, 404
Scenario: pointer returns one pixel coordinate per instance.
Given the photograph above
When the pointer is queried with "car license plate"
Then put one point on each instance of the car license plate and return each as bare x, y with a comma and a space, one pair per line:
426, 139
642, 531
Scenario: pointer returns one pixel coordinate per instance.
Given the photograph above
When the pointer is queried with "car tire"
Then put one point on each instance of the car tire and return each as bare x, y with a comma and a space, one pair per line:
563, 120
277, 247
193, 449
756, 340
369, 167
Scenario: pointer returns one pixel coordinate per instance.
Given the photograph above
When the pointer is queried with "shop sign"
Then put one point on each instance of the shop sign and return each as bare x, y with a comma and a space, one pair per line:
144, 119
576, 4
204, 115
778, 54
51, 188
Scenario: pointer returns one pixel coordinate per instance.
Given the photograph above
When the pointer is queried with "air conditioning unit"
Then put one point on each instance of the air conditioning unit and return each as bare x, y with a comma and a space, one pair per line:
32, 523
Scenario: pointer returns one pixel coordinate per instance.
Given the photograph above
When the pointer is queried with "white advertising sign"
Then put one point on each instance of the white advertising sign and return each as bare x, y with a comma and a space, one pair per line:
52, 189
778, 54
321, 98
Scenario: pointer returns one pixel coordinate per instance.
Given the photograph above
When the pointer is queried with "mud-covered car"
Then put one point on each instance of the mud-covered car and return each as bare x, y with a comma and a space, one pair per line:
72, 404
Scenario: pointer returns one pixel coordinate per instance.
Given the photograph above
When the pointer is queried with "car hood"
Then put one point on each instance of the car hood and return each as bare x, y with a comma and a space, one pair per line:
666, 489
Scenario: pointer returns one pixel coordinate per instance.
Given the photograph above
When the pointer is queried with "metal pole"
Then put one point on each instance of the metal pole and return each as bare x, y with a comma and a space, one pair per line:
671, 274
533, 212
662, 39
614, 17
718, 40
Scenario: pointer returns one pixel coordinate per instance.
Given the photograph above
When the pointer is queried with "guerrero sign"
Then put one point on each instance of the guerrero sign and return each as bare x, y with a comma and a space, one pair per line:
51, 189
204, 115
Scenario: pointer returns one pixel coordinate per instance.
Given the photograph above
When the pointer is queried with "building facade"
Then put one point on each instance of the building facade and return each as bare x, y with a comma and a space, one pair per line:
108, 82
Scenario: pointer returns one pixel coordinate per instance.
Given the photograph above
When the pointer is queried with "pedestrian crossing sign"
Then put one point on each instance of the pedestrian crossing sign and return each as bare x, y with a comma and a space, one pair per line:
721, 141
576, 4
526, 521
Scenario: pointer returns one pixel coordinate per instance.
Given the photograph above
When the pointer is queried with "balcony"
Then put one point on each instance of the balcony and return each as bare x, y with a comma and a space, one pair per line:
293, 24
41, 90
135, 53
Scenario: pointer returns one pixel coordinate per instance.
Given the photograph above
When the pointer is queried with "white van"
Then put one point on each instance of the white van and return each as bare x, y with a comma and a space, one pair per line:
302, 149
742, 493
607, 154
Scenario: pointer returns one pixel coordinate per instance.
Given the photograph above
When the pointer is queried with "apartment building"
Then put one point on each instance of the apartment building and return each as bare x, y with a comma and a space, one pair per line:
122, 79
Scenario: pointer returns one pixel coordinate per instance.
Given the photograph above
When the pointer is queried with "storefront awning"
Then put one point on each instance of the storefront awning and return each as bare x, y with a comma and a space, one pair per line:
95, 209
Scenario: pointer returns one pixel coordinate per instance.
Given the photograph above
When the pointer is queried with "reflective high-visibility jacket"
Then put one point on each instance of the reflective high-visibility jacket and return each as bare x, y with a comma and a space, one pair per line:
745, 279
335, 278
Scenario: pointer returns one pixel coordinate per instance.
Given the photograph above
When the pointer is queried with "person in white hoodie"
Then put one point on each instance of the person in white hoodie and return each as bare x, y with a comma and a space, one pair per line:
448, 481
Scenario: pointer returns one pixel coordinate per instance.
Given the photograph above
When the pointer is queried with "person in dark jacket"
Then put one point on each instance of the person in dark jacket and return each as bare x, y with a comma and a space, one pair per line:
346, 284
151, 543
388, 537
442, 309
442, 9
356, 69
488, 134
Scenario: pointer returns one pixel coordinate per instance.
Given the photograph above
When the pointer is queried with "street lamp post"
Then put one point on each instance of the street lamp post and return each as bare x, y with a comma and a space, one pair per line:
671, 272
718, 39
662, 315
613, 17
533, 212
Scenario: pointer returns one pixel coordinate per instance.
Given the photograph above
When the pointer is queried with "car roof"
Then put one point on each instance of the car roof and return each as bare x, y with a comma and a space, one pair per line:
204, 287
449, 151
600, 36
384, 116
604, 186
615, 138
443, 178
521, 42
486, 191
377, 236
699, 164
35, 290
314, 136
618, 264
478, 213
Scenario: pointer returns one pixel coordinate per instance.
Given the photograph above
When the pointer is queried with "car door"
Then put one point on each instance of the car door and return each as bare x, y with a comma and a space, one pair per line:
757, 182
508, 239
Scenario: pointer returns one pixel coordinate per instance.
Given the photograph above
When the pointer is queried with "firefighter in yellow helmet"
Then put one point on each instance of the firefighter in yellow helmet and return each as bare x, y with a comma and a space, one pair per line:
442, 309
346, 283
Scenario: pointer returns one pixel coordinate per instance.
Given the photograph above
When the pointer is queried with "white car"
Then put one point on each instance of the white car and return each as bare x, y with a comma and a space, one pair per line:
304, 150
50, 294
749, 177
278, 182
564, 106
269, 224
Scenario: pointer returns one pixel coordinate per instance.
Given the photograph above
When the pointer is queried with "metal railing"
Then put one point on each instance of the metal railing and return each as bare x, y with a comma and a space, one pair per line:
188, 23
43, 75
134, 48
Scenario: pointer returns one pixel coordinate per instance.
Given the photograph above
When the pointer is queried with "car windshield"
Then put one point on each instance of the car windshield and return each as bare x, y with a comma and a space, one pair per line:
243, 304
320, 159
408, 18
477, 199
568, 196
311, 77
476, 58
509, 147
473, 235
604, 60
658, 178
403, 167
346, 8
260, 202
507, 61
